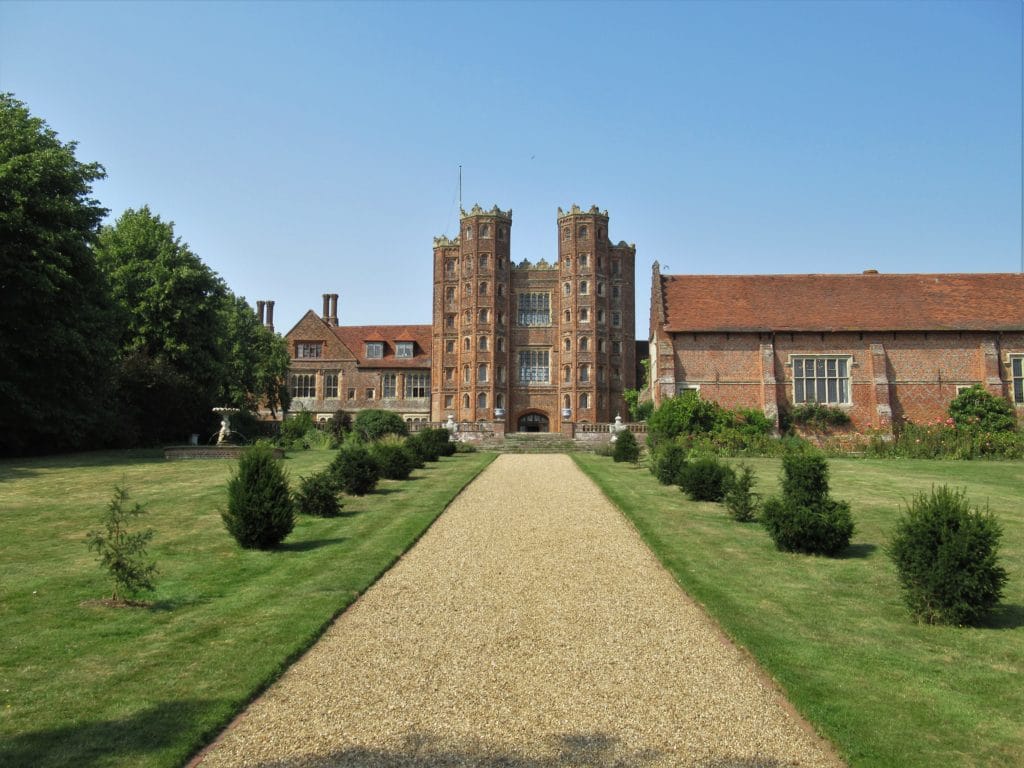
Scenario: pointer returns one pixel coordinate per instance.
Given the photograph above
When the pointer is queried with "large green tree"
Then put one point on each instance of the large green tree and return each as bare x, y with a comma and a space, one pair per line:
56, 345
257, 360
171, 312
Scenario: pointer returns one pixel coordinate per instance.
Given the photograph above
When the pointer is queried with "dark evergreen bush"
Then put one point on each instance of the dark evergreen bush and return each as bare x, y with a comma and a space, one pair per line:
822, 529
294, 429
260, 510
373, 424
395, 460
354, 470
121, 552
740, 498
805, 478
705, 479
945, 554
318, 496
818, 416
667, 462
424, 448
804, 518
626, 447
440, 439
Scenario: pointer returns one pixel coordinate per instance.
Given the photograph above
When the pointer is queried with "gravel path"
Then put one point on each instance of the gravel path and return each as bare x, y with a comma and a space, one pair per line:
529, 628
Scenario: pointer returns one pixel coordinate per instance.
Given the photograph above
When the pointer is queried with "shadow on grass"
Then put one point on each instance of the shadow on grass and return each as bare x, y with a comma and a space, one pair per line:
308, 546
31, 466
855, 551
1005, 616
94, 743
583, 749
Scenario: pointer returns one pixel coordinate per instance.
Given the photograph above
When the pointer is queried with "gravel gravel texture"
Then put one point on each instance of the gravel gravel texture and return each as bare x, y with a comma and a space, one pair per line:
530, 627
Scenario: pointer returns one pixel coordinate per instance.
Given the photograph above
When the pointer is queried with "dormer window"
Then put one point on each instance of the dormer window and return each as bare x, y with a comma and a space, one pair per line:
404, 349
375, 350
307, 349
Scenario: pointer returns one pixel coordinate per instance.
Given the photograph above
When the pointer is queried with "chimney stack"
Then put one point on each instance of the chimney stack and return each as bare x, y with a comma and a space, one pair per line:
334, 309
270, 316
326, 314
260, 310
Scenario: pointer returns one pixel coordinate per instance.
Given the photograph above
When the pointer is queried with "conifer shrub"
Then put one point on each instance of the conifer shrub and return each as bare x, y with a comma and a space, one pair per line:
626, 447
667, 462
945, 552
440, 439
354, 470
318, 496
261, 512
804, 518
423, 448
121, 552
395, 460
705, 479
294, 429
740, 498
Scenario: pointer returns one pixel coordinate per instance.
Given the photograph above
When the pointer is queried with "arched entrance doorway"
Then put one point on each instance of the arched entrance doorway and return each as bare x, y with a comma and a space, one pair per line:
533, 422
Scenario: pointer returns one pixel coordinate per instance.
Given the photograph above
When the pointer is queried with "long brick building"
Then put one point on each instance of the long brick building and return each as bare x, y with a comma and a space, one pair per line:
524, 346
882, 347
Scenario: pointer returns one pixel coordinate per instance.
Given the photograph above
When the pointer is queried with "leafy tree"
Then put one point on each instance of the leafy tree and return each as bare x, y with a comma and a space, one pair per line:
261, 512
976, 408
256, 358
57, 339
171, 311
684, 414
373, 424
123, 553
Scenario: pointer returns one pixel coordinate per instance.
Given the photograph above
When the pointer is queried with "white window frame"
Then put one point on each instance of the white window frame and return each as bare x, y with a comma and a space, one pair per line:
822, 376
307, 350
1017, 379
374, 350
534, 366
331, 381
389, 386
404, 349
417, 385
533, 308
303, 385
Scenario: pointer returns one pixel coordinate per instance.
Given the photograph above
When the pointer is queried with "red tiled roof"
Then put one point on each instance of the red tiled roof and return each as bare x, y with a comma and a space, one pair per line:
868, 302
355, 337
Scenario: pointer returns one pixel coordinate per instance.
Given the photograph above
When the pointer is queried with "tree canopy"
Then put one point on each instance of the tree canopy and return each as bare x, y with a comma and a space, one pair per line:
56, 331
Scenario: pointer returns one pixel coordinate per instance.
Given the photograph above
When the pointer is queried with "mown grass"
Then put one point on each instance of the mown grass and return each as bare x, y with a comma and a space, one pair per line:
86, 685
834, 632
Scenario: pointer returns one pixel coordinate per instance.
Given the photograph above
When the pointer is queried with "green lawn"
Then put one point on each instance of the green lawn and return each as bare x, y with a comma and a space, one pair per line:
84, 685
833, 632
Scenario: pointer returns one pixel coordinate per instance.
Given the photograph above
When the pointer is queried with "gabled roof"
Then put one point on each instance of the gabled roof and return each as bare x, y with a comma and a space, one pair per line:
866, 302
355, 337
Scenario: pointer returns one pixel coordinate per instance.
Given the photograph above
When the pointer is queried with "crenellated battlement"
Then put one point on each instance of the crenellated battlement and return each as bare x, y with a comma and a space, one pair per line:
575, 210
496, 212
443, 240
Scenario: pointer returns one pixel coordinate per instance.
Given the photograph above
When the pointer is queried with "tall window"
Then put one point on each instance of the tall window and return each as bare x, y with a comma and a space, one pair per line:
403, 349
481, 373
417, 384
534, 309
483, 315
567, 374
584, 343
482, 261
583, 288
449, 401
501, 343
375, 349
481, 401
387, 385
309, 349
1017, 374
482, 343
450, 265
303, 385
534, 366
821, 380
485, 230
616, 319
449, 320
330, 385
584, 401
449, 345
482, 289
584, 315
449, 374
449, 294
584, 373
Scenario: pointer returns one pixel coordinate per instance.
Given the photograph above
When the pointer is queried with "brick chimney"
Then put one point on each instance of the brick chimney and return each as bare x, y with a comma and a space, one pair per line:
334, 309
261, 310
270, 316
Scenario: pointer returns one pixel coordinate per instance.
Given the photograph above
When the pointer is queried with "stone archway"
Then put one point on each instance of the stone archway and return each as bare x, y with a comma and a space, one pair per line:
534, 422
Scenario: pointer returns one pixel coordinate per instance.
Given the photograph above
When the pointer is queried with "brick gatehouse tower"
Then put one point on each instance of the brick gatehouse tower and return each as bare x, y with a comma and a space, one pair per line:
532, 345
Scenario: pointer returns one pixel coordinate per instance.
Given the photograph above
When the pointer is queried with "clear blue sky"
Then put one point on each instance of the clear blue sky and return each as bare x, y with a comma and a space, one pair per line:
311, 148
